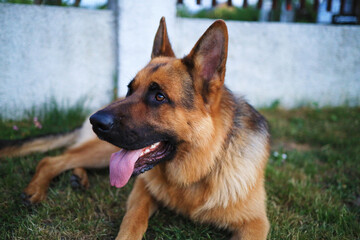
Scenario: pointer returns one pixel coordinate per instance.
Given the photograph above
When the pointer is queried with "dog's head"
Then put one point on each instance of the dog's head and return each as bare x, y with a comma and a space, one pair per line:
169, 105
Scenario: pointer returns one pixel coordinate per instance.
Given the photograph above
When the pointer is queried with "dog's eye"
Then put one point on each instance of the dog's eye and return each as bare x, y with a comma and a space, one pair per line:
159, 97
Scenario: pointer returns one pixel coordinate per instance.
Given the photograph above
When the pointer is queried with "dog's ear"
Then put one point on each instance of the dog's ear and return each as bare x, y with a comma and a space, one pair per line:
207, 60
162, 46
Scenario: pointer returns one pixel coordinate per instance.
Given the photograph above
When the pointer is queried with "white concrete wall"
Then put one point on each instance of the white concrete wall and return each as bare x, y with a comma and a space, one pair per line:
294, 63
69, 54
54, 52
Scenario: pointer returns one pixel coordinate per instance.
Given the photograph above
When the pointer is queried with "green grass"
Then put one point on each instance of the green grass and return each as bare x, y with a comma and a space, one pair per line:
52, 117
313, 193
250, 13
17, 1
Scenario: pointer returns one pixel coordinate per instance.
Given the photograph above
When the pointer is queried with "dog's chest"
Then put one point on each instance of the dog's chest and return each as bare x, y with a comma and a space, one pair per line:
184, 200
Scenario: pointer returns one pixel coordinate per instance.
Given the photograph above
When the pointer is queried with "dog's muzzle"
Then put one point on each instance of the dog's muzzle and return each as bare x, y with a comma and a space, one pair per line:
102, 122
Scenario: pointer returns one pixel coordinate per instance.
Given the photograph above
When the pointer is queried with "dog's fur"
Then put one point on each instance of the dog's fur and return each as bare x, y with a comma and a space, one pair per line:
220, 144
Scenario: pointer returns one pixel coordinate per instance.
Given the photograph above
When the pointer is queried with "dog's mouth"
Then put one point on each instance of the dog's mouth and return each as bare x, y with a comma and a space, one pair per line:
127, 163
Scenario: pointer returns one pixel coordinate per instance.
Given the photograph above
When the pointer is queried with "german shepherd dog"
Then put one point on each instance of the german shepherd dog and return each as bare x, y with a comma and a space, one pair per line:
194, 147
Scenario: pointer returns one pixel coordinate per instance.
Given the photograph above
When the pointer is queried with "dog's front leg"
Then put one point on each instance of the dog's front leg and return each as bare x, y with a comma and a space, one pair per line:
91, 154
140, 206
256, 229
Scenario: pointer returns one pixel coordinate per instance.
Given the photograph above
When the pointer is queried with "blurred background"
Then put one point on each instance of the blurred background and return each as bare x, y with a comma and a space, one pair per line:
287, 52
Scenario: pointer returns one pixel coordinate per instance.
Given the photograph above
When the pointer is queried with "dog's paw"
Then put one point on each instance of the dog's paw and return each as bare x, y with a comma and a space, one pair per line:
33, 194
79, 179
25, 199
78, 183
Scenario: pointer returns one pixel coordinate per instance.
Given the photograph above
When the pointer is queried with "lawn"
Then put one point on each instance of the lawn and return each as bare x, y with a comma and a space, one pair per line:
312, 181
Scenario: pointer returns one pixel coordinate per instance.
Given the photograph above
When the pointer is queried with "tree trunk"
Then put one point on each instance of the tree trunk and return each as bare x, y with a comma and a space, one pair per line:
213, 3
77, 3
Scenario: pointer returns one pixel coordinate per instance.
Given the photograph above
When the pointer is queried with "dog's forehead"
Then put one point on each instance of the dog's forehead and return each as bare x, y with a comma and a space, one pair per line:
167, 72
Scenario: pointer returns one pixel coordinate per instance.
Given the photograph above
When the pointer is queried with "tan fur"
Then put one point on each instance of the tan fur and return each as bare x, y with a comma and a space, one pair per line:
42, 144
217, 174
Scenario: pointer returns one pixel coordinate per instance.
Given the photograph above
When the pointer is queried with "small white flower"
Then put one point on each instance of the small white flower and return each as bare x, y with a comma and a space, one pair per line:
276, 154
284, 156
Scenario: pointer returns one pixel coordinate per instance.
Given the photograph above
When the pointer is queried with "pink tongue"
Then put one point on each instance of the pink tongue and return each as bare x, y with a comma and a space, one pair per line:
122, 166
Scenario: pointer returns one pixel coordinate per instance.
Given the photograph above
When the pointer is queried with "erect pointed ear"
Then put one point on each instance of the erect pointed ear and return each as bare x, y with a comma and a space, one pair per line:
207, 59
162, 46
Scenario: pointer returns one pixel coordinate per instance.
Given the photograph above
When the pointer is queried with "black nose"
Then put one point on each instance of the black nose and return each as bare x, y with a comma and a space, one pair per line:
102, 122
